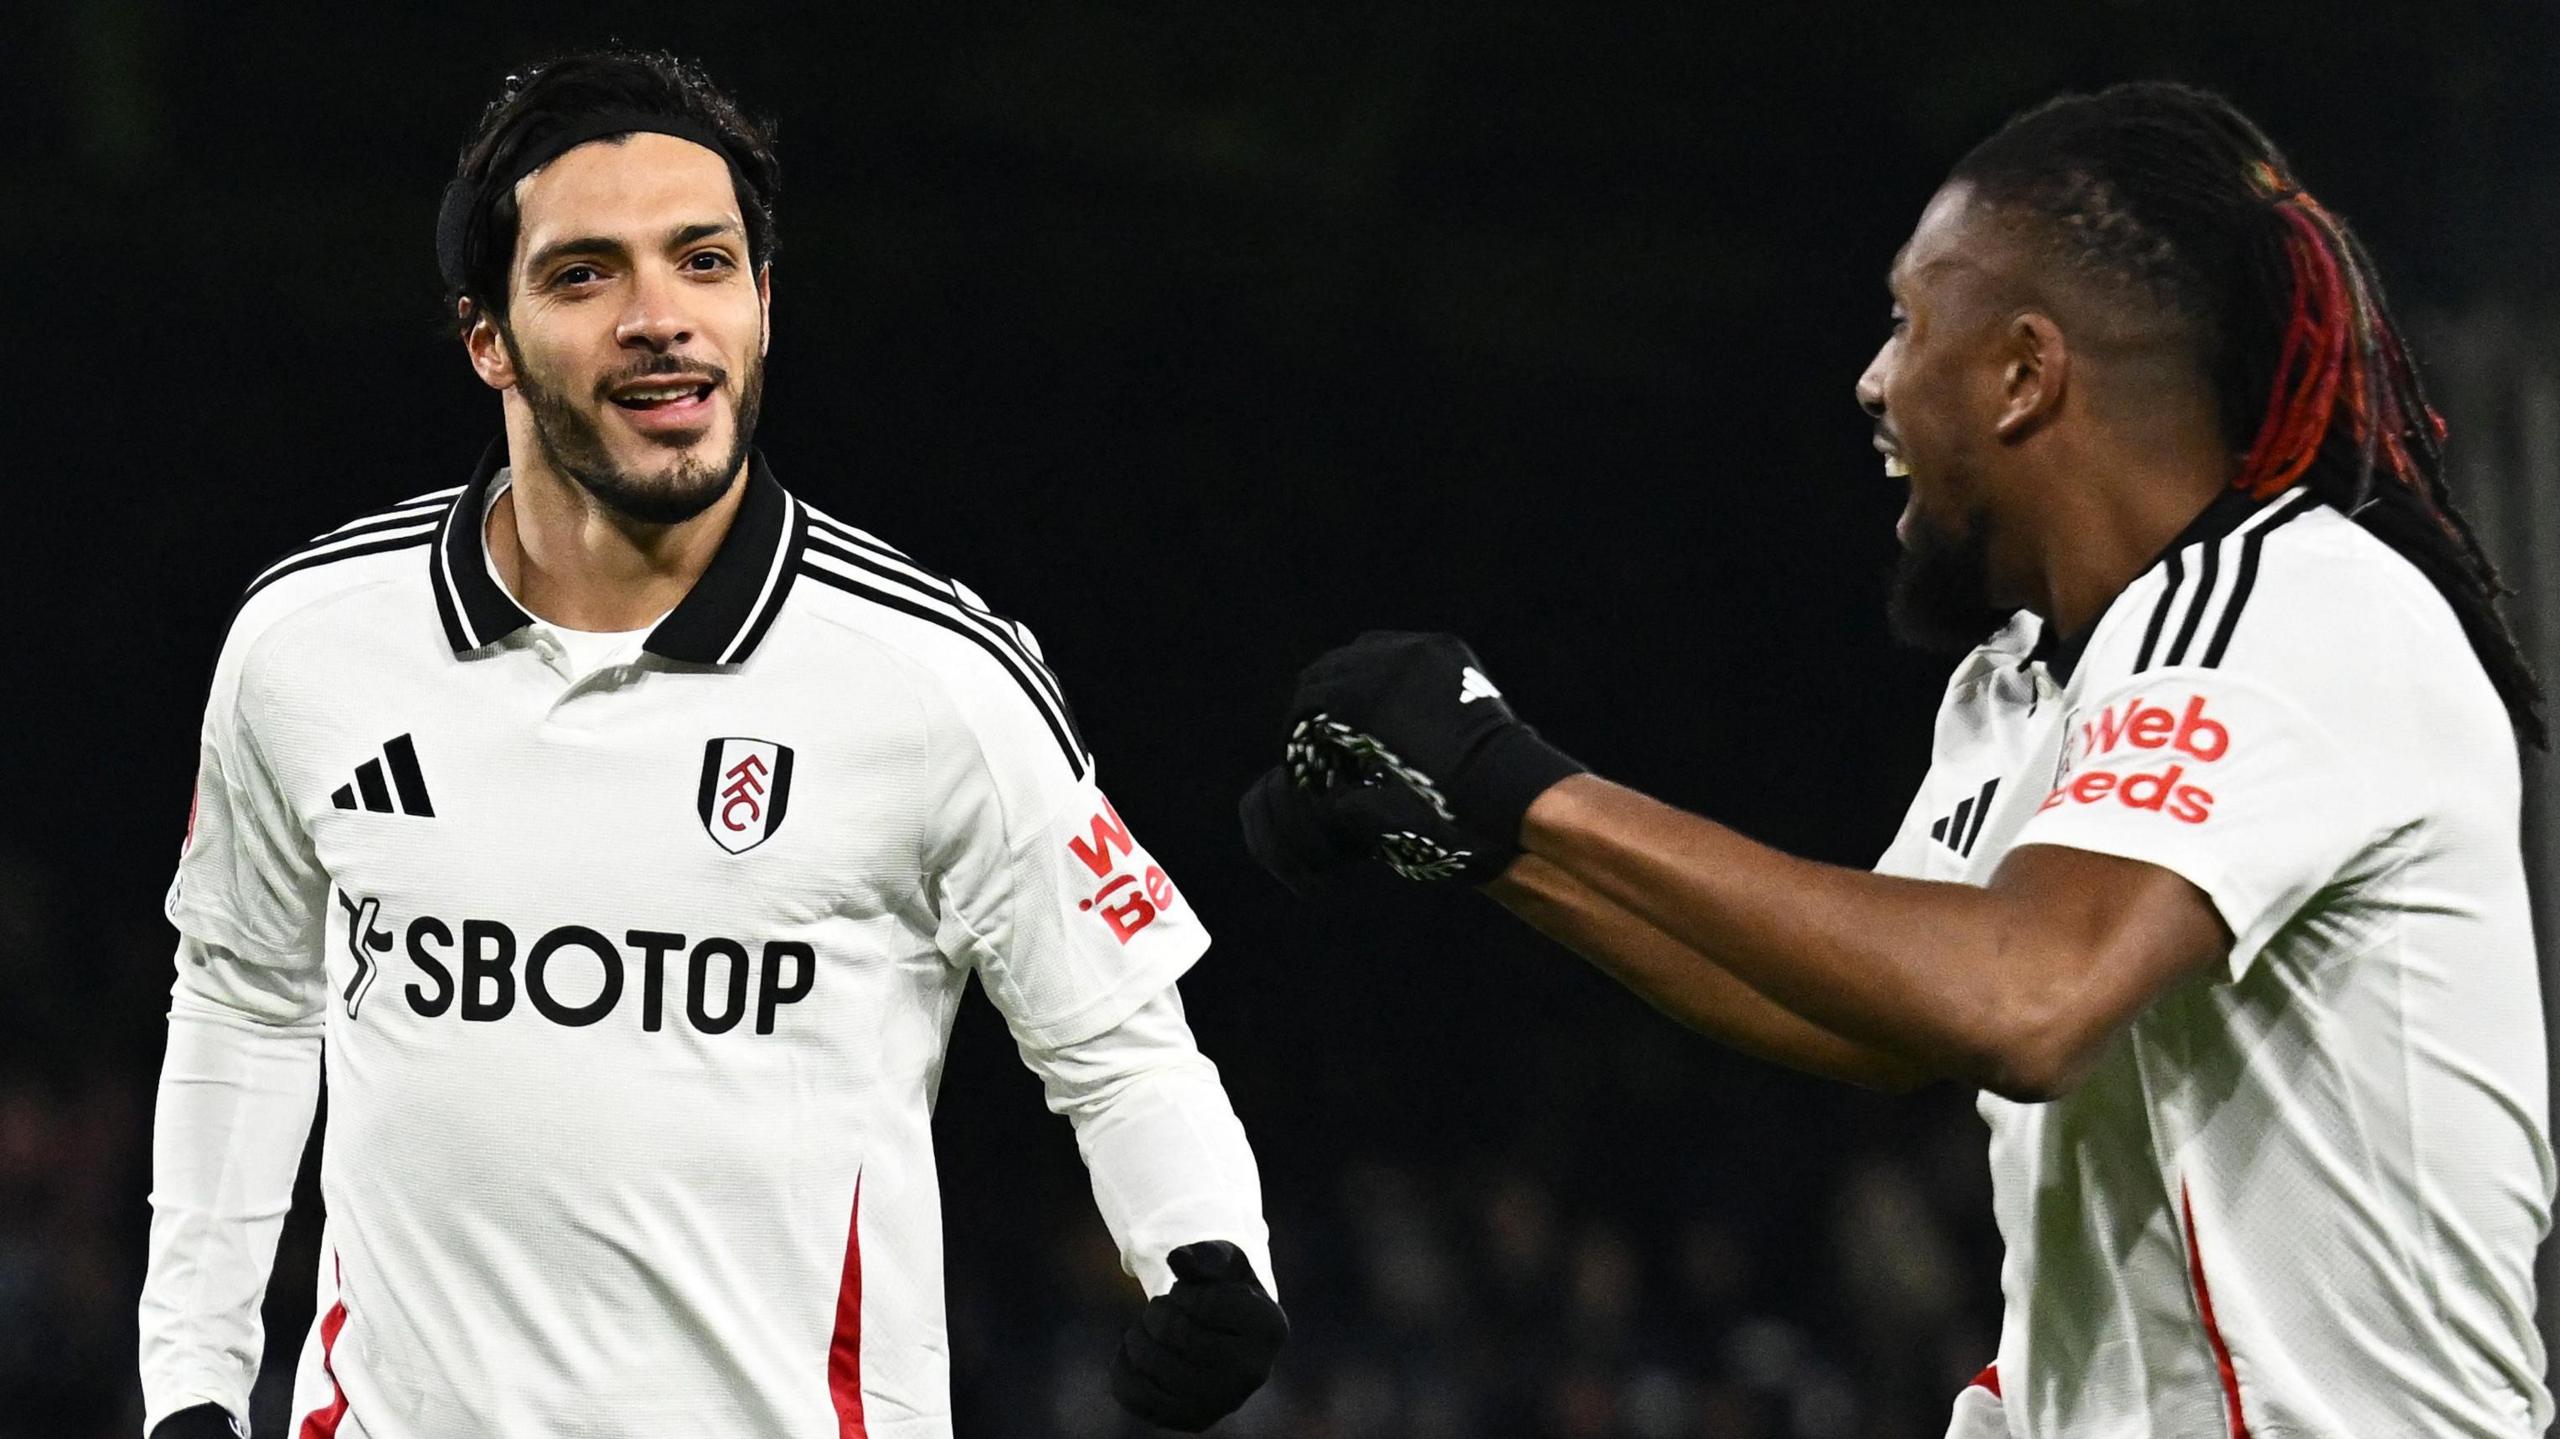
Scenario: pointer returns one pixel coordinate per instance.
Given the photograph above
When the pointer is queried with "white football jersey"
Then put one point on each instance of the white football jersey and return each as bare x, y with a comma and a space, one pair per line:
2301, 1195
637, 978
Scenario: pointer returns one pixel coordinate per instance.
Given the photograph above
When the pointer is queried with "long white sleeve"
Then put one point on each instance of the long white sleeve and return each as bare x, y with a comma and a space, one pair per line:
1169, 1161
237, 1090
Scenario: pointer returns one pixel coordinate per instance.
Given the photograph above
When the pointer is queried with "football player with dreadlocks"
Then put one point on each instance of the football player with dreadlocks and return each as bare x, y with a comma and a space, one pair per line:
2214, 887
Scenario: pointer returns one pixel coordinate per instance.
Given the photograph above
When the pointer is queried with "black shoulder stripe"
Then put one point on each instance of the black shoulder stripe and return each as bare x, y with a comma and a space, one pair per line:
427, 509
431, 497
2205, 577
2160, 614
868, 557
837, 529
351, 541
2247, 578
2241, 584
995, 626
375, 526
849, 541
846, 540
892, 597
431, 503
309, 561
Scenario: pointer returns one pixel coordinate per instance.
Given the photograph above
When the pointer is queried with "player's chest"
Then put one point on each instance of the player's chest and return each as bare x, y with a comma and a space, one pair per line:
703, 797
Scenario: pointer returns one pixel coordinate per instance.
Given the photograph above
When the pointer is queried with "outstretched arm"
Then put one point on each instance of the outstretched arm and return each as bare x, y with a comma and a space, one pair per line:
2015, 986
1689, 986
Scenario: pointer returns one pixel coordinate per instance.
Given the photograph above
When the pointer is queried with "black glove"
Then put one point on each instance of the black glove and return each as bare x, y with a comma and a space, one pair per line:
1310, 836
204, 1421
1202, 1347
1419, 708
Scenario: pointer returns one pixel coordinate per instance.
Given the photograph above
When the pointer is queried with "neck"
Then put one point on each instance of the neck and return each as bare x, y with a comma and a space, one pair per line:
575, 563
2096, 538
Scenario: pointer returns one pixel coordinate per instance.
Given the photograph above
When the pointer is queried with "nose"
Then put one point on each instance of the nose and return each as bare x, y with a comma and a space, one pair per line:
1871, 386
653, 316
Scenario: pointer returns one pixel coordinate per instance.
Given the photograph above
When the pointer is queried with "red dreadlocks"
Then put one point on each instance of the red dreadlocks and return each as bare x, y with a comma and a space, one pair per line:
2335, 346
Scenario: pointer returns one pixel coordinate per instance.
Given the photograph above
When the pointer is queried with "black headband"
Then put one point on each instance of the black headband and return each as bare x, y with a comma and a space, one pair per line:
466, 202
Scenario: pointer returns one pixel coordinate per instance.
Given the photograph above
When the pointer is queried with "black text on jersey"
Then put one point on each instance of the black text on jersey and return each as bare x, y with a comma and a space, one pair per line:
575, 976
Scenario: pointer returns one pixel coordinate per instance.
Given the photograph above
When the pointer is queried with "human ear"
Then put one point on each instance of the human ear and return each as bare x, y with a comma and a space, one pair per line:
2035, 371
490, 358
764, 305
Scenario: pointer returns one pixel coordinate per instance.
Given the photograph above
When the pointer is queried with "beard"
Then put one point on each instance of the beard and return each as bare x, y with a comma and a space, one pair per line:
573, 441
1941, 601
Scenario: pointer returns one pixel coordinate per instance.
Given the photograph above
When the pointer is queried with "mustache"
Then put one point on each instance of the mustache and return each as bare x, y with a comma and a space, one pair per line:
652, 365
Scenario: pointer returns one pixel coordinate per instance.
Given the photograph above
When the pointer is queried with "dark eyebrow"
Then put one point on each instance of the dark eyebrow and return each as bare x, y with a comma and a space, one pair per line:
600, 246
703, 231
606, 248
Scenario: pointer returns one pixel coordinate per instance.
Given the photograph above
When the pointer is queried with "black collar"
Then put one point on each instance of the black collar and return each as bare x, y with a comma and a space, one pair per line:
719, 621
2228, 511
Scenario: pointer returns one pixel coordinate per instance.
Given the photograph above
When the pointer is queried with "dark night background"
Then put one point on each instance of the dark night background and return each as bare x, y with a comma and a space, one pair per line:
1199, 337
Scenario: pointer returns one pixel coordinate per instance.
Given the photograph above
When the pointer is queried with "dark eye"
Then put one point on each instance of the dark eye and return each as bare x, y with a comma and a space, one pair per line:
577, 275
707, 262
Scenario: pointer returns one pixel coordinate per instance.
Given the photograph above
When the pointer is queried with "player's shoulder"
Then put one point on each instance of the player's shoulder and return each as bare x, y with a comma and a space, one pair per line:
988, 665
306, 583
2325, 574
2295, 598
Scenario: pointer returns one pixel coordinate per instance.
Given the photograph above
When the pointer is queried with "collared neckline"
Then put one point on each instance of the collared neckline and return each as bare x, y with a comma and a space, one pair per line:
2225, 513
720, 621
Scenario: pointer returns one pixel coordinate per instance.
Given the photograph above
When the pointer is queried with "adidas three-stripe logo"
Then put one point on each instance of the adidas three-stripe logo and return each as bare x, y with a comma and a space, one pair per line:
1958, 831
2178, 633
371, 792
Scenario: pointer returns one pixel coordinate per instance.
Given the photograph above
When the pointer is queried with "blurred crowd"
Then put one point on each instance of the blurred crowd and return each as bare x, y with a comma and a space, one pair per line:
1622, 1262
1427, 1305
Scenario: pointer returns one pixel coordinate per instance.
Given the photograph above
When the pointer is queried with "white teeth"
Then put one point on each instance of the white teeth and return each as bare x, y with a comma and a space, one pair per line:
654, 396
1895, 468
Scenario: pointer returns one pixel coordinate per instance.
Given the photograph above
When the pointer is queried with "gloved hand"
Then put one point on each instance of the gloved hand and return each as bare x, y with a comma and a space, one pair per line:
202, 1421
1201, 1348
1419, 708
1310, 835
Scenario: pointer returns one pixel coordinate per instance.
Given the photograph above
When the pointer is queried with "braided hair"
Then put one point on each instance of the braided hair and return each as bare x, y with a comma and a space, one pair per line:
2171, 194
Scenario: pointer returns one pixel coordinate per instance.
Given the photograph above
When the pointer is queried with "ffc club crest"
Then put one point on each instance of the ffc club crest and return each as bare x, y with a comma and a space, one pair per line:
746, 783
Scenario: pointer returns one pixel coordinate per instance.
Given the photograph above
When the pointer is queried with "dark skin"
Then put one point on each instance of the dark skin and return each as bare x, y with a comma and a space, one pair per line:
2071, 422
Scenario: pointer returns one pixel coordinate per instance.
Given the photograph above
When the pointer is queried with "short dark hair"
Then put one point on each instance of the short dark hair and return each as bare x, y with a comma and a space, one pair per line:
2173, 198
477, 237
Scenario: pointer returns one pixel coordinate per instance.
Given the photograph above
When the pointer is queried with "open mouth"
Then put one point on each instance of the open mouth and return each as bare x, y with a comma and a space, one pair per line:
1895, 467
655, 397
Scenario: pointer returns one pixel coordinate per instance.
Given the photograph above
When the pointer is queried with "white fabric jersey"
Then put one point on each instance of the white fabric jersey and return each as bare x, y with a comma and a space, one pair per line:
635, 985
2301, 1195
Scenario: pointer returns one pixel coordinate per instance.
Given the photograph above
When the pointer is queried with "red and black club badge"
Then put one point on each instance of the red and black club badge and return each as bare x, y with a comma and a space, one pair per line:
746, 785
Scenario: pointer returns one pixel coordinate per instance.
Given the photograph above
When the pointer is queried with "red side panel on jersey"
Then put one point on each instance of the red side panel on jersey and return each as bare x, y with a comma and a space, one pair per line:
2212, 1331
844, 1355
323, 1423
1989, 1379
